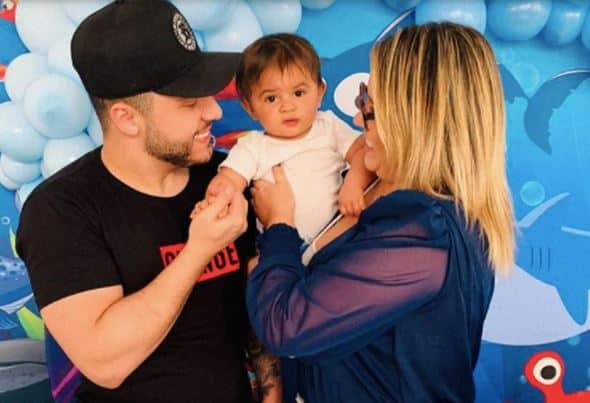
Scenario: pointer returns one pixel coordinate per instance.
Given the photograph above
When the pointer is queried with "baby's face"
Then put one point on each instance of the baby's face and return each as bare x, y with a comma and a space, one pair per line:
285, 102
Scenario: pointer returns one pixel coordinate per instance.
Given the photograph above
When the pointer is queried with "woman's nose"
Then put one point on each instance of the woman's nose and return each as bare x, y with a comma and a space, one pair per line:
358, 120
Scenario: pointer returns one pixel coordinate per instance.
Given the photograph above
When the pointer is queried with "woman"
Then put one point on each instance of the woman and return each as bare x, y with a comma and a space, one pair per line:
391, 307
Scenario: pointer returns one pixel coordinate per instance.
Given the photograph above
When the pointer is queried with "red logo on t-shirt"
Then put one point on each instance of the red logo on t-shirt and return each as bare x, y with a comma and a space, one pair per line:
225, 262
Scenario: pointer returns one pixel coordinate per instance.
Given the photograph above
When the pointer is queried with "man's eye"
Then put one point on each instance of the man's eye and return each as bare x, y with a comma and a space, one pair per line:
270, 98
299, 93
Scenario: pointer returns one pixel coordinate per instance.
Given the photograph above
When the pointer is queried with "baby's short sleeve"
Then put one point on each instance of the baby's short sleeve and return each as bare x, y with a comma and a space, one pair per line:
243, 156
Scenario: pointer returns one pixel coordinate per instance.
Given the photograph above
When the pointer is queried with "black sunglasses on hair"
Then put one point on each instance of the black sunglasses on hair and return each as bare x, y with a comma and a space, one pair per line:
364, 104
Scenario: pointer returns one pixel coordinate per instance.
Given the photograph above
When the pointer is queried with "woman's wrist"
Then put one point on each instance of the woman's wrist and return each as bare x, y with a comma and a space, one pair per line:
280, 220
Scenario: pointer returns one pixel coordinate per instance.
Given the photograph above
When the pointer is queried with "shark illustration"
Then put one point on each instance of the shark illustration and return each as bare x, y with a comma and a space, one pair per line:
15, 291
546, 298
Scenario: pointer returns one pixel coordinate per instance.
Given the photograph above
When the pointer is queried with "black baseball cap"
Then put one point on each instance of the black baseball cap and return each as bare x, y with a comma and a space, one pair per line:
135, 46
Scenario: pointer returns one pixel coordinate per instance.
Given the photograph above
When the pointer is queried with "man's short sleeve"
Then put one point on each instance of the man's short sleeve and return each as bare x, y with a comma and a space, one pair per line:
343, 133
243, 156
60, 240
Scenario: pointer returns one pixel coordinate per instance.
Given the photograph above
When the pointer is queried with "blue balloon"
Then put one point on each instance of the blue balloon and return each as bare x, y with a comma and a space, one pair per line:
466, 12
205, 14
586, 33
59, 59
517, 20
240, 29
22, 71
565, 22
61, 152
20, 172
316, 4
402, 5
277, 16
41, 23
78, 10
18, 138
24, 191
95, 129
7, 182
57, 106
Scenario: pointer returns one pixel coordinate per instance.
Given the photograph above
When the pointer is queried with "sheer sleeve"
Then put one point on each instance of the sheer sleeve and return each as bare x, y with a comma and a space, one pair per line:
339, 302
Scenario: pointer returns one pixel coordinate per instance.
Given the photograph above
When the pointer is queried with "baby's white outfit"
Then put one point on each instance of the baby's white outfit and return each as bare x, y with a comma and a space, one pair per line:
313, 165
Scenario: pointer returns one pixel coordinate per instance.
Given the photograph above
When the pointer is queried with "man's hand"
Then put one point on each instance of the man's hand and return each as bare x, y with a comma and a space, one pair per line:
216, 224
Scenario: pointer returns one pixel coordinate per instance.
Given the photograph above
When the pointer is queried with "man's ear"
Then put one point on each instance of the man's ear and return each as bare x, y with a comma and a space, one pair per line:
125, 118
248, 108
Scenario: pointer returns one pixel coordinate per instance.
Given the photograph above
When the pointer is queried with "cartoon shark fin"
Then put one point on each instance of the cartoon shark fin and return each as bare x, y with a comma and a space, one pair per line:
510, 85
32, 324
550, 96
575, 301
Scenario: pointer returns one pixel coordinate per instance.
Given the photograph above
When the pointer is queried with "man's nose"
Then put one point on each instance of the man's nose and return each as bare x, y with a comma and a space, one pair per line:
211, 109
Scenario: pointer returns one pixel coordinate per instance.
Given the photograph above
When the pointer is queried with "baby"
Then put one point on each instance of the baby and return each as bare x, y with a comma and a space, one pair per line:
280, 85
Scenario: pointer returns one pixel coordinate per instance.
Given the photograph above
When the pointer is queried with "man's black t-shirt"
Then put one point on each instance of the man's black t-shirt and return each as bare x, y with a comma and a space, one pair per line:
83, 229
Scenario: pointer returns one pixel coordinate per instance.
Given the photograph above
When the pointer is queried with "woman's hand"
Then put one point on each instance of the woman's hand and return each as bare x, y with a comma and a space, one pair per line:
274, 202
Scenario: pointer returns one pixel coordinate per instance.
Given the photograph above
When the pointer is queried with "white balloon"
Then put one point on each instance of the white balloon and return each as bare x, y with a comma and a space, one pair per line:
78, 10
18, 138
57, 106
59, 59
240, 29
41, 23
22, 71
61, 152
205, 14
7, 182
20, 172
277, 15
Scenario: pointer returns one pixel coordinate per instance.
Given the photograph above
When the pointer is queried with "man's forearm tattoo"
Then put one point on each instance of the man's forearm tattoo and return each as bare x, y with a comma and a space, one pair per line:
267, 366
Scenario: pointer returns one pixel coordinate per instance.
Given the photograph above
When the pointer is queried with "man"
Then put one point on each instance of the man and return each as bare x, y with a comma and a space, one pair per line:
145, 313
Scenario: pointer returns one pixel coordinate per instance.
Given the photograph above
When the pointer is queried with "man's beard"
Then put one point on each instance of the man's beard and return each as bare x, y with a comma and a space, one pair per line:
178, 153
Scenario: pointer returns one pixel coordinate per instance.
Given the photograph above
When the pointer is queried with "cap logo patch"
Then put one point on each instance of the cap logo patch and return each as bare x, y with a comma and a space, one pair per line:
184, 33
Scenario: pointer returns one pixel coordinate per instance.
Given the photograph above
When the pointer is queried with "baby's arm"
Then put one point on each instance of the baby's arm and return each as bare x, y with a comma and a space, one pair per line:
351, 200
226, 177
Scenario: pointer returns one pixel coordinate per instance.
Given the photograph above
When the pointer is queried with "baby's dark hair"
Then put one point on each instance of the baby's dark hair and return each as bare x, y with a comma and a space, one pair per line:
280, 51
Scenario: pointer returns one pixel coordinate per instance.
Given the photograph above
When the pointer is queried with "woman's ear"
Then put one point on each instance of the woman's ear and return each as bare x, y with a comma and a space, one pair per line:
125, 118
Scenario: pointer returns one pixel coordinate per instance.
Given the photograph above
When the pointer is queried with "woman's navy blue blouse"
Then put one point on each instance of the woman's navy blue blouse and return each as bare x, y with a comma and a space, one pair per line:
390, 311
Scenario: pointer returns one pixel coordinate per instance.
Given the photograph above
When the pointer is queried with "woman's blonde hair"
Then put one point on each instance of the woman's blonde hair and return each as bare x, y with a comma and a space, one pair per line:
439, 111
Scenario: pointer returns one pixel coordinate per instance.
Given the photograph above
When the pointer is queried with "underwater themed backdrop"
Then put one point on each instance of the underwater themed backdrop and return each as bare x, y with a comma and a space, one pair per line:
536, 341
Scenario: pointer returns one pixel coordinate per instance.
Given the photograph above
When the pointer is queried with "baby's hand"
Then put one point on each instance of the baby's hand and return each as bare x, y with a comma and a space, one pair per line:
216, 186
351, 200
